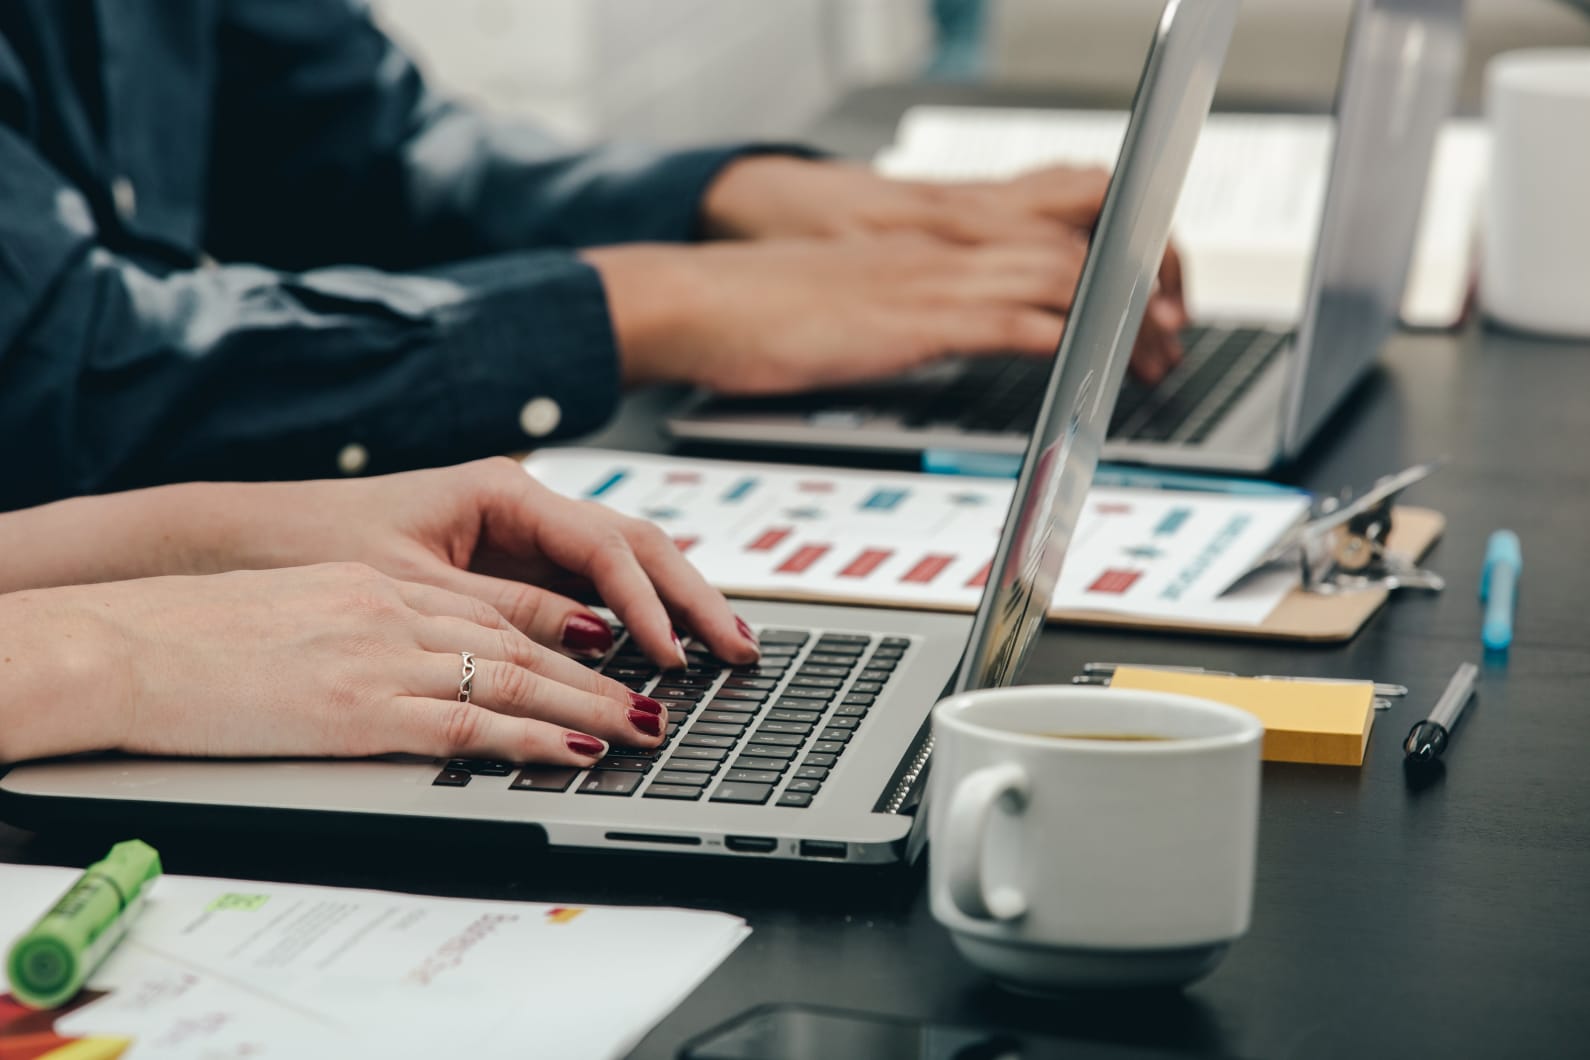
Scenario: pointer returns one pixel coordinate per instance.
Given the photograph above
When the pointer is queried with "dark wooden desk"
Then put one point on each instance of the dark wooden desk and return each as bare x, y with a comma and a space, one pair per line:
1452, 921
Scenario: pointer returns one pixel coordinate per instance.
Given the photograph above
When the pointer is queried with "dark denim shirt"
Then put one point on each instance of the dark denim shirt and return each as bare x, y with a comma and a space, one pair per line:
240, 239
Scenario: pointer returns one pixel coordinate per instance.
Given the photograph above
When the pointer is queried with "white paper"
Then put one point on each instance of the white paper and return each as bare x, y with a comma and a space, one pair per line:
228, 968
927, 541
1249, 213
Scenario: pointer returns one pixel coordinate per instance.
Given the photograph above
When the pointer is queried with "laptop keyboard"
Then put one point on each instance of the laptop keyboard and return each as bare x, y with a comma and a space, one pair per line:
1001, 395
768, 732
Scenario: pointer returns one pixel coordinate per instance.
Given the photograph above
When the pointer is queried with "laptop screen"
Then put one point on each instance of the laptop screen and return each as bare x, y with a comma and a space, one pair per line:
1172, 101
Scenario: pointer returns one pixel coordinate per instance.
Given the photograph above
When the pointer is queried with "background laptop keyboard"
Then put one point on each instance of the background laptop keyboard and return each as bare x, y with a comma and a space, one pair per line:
768, 732
1001, 395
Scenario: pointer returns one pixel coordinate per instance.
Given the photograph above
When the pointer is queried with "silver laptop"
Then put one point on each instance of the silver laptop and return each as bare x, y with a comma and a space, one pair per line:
1247, 396
819, 750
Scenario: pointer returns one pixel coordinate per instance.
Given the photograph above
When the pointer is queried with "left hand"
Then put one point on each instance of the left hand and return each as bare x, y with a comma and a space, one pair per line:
484, 529
775, 196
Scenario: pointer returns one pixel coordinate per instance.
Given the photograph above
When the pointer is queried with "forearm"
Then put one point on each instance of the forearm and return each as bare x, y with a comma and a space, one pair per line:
62, 689
184, 529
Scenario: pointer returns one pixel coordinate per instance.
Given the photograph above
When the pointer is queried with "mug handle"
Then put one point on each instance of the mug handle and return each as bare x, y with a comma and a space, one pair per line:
971, 805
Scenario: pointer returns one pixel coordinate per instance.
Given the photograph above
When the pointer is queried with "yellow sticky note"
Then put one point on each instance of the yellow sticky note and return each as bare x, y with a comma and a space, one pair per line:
1322, 722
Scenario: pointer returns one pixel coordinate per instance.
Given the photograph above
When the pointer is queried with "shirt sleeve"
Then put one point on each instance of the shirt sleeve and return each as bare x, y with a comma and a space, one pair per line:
330, 147
116, 374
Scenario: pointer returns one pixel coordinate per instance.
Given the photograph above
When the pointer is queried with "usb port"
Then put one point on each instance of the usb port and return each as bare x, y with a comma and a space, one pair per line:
751, 844
822, 848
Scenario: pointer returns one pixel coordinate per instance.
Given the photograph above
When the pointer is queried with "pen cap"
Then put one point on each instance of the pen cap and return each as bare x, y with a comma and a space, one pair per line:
49, 963
1503, 548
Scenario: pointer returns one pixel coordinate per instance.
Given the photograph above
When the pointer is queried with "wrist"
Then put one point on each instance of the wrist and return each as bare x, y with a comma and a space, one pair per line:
64, 678
759, 196
650, 300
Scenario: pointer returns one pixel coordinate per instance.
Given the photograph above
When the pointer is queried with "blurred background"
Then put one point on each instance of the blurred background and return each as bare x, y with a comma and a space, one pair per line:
679, 71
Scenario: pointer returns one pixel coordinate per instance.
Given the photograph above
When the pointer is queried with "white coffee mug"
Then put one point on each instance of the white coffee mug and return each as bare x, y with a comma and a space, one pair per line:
1072, 860
1536, 236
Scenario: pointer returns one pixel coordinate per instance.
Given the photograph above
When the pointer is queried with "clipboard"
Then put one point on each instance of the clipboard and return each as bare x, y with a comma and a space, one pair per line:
1302, 616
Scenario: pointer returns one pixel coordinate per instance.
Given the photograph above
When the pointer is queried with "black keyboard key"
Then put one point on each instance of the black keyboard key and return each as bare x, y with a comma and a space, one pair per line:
795, 799
810, 772
846, 661
682, 680
785, 714
741, 695
844, 723
673, 791
777, 739
763, 683
816, 695
823, 760
760, 765
698, 754
691, 765
810, 670
844, 638
720, 728
678, 716
680, 776
631, 671
685, 696
631, 765
804, 784
874, 674
734, 705
764, 750
833, 734
544, 778
858, 699
779, 652
786, 728
895, 642
870, 688
610, 782
726, 717
755, 794
770, 673
632, 752
451, 778
805, 681
827, 747
850, 710
752, 776
783, 636
691, 739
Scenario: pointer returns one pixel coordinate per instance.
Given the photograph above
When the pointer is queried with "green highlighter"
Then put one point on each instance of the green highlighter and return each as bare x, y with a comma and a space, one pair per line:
49, 963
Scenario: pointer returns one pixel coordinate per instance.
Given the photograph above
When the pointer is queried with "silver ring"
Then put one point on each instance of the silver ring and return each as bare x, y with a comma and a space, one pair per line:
468, 676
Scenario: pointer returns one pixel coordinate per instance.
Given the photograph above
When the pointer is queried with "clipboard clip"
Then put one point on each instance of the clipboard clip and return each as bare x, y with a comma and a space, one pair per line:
1343, 548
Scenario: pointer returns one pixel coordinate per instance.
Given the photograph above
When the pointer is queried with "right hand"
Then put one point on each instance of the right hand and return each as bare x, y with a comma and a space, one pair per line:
330, 660
781, 316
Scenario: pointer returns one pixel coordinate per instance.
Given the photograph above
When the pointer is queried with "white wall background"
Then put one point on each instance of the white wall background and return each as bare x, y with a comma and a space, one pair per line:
668, 71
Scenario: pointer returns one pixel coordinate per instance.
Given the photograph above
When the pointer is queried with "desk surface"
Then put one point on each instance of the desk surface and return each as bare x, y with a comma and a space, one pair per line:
1386, 923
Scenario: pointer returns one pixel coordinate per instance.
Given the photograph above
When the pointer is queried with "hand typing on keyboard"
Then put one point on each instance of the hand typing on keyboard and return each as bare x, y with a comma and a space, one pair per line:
396, 640
774, 196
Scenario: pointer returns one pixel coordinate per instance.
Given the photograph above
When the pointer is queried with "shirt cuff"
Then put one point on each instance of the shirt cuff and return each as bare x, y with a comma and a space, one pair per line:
530, 358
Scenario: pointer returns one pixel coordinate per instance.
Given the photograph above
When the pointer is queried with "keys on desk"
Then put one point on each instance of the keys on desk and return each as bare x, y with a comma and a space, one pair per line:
772, 732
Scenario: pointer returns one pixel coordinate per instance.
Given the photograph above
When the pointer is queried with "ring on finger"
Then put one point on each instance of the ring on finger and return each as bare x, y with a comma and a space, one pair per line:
468, 677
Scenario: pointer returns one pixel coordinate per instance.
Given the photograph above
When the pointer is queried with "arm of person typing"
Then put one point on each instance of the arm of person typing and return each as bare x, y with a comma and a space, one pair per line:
117, 372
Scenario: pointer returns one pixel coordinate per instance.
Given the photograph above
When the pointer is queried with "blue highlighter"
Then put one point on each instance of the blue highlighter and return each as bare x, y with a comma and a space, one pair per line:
1504, 561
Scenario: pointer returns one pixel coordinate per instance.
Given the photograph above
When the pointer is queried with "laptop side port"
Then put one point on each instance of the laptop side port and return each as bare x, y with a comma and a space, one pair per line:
751, 844
822, 848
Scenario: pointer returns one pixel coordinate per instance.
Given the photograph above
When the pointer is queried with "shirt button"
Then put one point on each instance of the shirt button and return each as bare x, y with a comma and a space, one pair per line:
540, 417
125, 196
353, 458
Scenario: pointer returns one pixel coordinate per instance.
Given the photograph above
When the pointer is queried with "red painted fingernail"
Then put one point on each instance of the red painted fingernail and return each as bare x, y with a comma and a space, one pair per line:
582, 744
745, 631
587, 635
645, 703
650, 724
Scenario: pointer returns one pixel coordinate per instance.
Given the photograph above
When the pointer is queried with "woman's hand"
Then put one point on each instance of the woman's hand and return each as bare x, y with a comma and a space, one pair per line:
484, 529
335, 659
